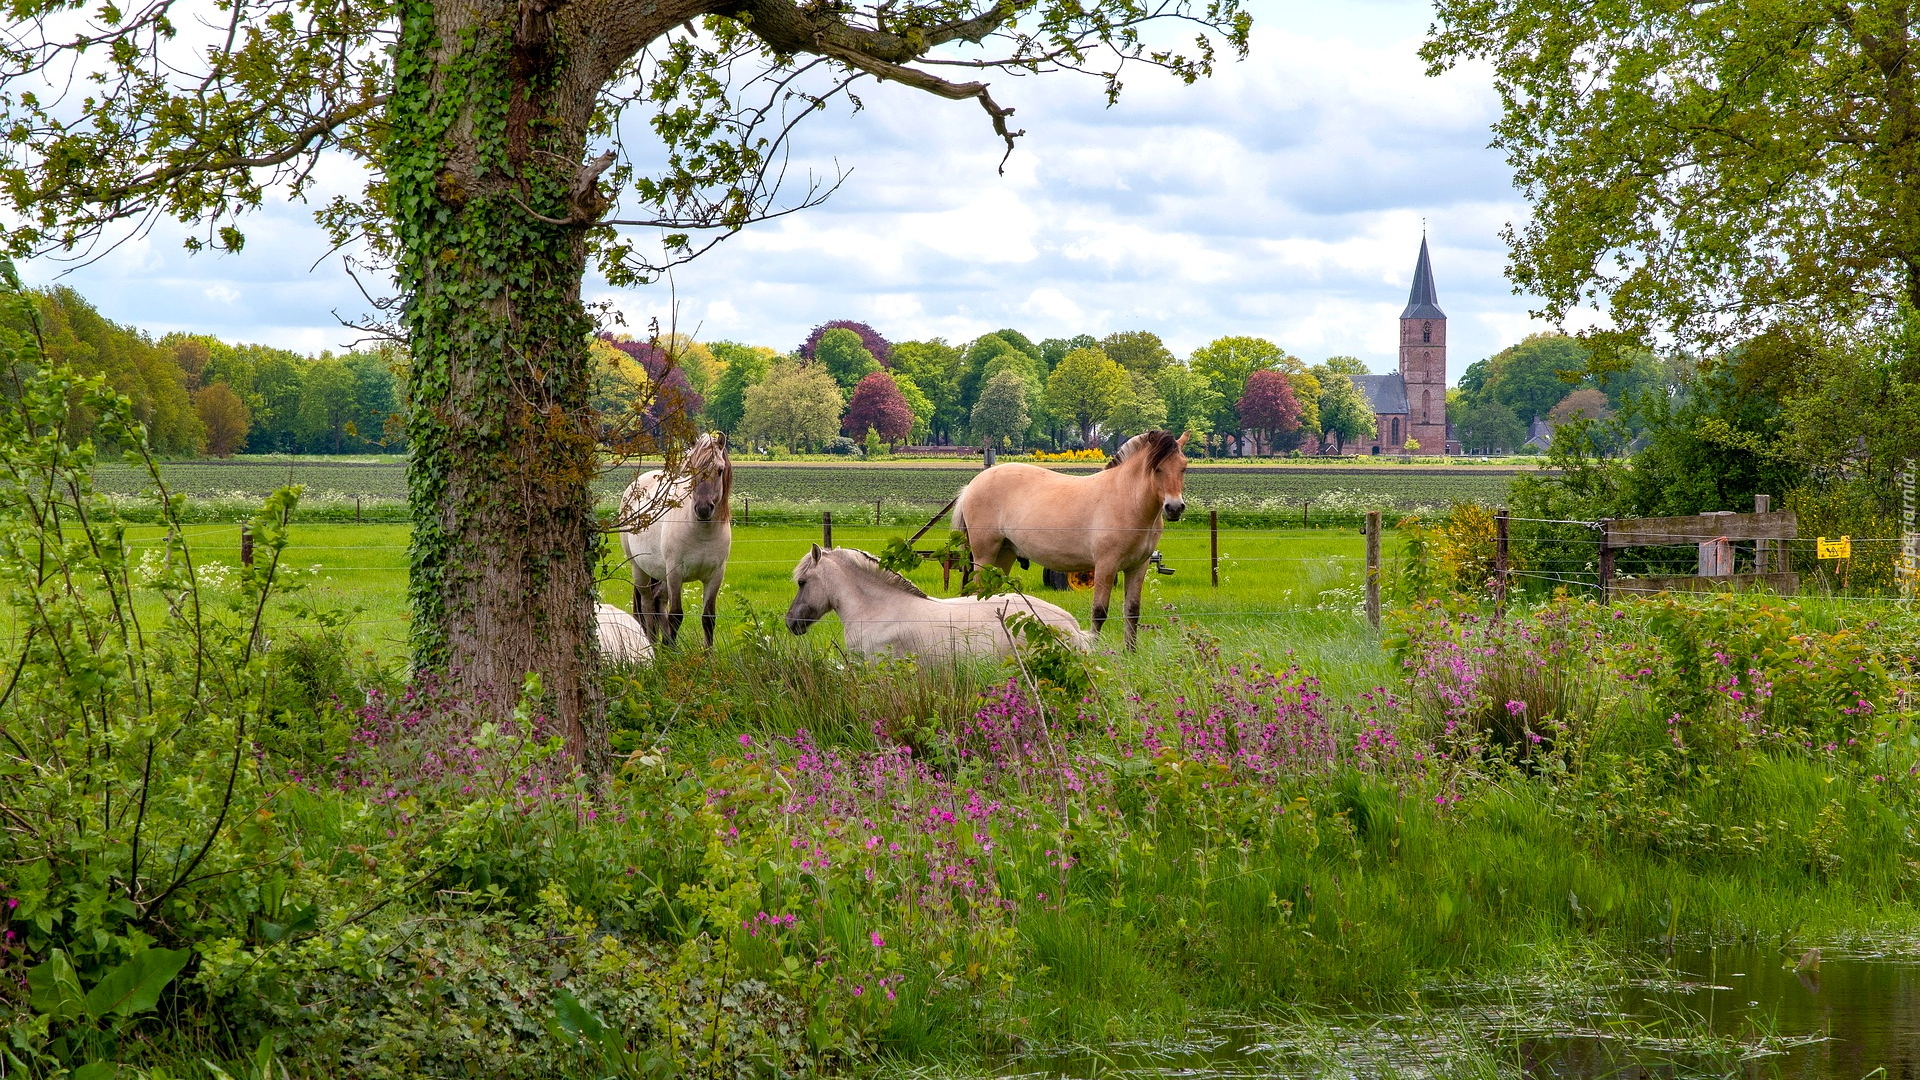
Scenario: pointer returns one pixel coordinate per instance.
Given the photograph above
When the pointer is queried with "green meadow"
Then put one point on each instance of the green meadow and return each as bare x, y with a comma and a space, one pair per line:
1269, 577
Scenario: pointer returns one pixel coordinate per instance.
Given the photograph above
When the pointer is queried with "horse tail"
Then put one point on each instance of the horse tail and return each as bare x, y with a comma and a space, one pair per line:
959, 517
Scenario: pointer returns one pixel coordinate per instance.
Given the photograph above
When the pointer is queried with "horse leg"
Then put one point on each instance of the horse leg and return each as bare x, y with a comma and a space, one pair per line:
710, 605
1102, 593
643, 605
676, 598
1136, 580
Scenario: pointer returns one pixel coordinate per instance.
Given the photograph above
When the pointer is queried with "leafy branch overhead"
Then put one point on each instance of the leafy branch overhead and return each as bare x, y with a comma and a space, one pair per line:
118, 118
1705, 169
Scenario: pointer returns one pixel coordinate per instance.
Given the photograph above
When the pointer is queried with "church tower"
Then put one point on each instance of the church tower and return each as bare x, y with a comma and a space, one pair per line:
1423, 360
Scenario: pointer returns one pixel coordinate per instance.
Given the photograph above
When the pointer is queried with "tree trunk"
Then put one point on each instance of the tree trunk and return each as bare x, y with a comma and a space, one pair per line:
503, 439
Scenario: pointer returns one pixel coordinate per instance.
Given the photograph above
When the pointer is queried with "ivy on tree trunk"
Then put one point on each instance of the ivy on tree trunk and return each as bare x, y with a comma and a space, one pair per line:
504, 544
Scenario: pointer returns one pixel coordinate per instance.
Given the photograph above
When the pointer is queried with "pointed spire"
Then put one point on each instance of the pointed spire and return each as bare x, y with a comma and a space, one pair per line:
1423, 302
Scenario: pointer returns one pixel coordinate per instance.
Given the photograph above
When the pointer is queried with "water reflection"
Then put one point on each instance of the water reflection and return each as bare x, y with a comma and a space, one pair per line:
1832, 1014
1836, 1014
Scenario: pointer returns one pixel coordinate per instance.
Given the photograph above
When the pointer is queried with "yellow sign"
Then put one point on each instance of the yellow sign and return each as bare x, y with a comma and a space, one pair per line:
1836, 549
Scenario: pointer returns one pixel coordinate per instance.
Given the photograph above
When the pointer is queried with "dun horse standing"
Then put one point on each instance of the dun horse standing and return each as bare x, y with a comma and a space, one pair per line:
1106, 523
688, 539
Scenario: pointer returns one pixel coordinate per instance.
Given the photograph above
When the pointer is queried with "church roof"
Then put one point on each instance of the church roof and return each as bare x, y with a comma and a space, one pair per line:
1387, 394
1423, 302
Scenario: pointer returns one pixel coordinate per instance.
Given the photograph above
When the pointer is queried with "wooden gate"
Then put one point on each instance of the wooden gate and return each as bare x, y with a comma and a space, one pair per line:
1714, 535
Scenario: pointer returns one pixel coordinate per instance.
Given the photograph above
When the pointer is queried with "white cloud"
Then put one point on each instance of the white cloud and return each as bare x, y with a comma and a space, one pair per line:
1284, 197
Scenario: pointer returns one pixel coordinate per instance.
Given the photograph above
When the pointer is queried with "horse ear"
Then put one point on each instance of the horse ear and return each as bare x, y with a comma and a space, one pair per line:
1181, 442
816, 553
723, 439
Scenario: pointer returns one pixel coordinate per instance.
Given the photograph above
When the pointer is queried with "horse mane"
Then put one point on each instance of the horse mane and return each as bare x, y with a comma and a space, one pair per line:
1157, 445
870, 566
708, 452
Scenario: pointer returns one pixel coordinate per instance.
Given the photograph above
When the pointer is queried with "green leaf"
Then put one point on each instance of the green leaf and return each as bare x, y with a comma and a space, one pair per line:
135, 985
574, 1019
99, 1070
54, 988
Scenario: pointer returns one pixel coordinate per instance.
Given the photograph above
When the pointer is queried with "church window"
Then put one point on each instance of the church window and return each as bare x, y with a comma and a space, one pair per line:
1426, 406
1426, 332
1396, 431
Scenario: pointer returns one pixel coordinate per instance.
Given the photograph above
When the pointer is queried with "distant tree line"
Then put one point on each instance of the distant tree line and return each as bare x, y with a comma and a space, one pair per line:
847, 385
1549, 377
200, 395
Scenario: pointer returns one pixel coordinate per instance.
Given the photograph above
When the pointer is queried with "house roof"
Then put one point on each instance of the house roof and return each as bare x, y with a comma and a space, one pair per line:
1423, 301
1387, 394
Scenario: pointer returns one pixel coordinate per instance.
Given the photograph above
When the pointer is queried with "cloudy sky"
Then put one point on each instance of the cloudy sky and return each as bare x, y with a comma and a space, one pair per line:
1283, 198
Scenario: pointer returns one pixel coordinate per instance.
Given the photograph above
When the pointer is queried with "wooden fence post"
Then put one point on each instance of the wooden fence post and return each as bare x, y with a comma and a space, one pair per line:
1373, 568
1500, 565
356, 508
1762, 549
1304, 503
876, 511
746, 510
1213, 530
246, 545
1606, 562
826, 529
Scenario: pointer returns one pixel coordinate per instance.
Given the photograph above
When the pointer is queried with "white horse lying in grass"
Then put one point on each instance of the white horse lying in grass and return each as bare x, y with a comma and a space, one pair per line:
621, 638
883, 612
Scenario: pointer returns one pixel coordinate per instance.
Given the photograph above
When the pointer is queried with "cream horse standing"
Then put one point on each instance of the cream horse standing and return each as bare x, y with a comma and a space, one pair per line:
1106, 523
882, 612
688, 536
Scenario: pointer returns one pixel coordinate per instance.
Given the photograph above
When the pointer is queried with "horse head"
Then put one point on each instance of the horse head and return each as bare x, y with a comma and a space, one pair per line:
712, 474
1165, 465
812, 600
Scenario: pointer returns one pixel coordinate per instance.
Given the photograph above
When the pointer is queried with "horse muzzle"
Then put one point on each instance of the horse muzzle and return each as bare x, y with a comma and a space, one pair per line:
798, 624
704, 511
1174, 509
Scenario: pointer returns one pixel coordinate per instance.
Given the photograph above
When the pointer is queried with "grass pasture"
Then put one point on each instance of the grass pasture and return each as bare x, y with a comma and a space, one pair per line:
1275, 584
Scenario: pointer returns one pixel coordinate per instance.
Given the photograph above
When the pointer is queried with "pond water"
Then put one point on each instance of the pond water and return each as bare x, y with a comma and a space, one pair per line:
1842, 1013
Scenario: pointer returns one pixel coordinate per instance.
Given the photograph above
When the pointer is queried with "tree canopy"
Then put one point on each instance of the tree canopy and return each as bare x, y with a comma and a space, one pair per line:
796, 406
878, 405
1001, 413
872, 340
1226, 364
1704, 169
1139, 351
842, 354
1268, 406
1084, 389
1345, 414
936, 368
745, 365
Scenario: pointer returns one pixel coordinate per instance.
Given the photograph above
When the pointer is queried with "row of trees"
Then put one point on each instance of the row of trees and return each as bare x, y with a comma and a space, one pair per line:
1551, 376
1003, 388
200, 395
